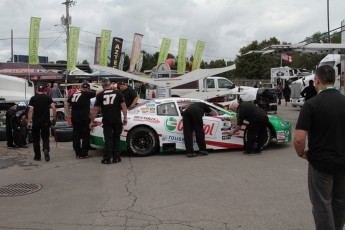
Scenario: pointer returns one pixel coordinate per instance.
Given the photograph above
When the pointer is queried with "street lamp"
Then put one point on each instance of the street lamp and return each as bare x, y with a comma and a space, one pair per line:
329, 37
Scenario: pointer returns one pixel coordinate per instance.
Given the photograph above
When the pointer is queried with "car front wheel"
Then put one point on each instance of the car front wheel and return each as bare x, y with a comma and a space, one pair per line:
142, 141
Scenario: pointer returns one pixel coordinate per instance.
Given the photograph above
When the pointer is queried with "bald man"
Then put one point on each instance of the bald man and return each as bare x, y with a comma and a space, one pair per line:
256, 130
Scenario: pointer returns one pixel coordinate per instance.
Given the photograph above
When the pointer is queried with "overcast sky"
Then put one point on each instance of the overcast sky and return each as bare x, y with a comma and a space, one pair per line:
224, 25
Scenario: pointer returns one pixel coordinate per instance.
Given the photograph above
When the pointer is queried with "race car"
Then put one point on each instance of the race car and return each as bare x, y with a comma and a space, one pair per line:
157, 126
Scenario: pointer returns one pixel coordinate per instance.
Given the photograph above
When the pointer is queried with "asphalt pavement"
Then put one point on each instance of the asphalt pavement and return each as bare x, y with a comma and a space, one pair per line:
224, 190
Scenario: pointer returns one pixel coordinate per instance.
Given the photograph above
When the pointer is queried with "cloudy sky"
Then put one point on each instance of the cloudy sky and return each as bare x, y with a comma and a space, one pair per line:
224, 25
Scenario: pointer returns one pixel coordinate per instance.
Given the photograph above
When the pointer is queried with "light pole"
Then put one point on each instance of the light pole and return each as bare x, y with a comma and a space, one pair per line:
329, 36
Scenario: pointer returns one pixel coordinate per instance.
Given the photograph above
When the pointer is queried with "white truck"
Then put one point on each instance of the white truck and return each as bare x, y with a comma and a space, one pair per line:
281, 75
299, 85
210, 84
12, 90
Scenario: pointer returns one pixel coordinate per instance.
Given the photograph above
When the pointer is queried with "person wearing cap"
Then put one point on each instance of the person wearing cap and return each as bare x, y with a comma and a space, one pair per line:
128, 93
256, 130
80, 103
39, 114
111, 103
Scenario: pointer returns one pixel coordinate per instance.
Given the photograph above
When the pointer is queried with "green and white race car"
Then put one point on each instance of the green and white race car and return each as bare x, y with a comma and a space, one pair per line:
156, 126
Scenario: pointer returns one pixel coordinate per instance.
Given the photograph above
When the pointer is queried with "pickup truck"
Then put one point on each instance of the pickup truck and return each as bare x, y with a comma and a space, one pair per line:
210, 84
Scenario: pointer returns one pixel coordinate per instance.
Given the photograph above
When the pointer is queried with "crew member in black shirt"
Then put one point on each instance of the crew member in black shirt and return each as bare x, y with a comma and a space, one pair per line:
111, 102
39, 113
192, 122
309, 91
15, 117
256, 130
321, 120
128, 93
80, 102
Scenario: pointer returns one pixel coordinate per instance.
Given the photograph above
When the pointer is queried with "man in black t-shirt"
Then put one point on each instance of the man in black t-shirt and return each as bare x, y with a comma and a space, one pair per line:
111, 102
309, 91
39, 113
192, 122
16, 121
80, 103
128, 93
322, 120
256, 130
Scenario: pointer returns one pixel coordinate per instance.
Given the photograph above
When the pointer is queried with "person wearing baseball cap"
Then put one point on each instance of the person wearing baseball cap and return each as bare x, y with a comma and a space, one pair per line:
128, 93
39, 114
111, 102
80, 103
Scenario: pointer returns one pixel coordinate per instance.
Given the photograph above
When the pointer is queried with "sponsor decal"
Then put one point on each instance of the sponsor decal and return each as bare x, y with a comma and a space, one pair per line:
226, 137
146, 119
152, 110
150, 105
226, 132
172, 125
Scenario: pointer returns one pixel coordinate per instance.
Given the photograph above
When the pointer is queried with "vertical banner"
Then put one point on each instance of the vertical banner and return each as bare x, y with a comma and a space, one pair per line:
164, 51
73, 44
34, 40
122, 61
140, 62
199, 50
182, 53
97, 51
105, 40
136, 49
116, 52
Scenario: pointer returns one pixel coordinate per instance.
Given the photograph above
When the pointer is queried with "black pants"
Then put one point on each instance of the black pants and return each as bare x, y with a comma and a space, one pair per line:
81, 130
191, 123
256, 133
16, 131
112, 134
40, 130
9, 134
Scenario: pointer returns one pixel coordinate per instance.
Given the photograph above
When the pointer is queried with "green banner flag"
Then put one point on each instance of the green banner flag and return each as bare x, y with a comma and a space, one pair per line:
163, 53
73, 44
181, 59
105, 40
34, 40
199, 50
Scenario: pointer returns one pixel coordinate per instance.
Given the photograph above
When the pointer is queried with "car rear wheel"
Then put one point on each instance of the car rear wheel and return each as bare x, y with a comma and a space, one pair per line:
268, 137
142, 141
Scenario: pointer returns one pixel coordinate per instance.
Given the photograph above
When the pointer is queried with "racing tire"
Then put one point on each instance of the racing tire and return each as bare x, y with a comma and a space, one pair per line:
3, 134
142, 141
59, 125
63, 134
268, 138
60, 116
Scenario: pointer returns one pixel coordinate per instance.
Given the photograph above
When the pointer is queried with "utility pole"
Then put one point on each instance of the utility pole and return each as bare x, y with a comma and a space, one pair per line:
12, 56
66, 22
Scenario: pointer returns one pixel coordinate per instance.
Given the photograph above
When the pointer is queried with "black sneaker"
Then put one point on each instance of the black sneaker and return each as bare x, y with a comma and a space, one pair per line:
203, 152
11, 146
116, 160
106, 162
37, 159
191, 155
46, 155
257, 150
92, 148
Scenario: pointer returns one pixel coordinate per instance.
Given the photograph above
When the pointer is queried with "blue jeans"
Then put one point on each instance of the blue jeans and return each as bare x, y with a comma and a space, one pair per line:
327, 195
